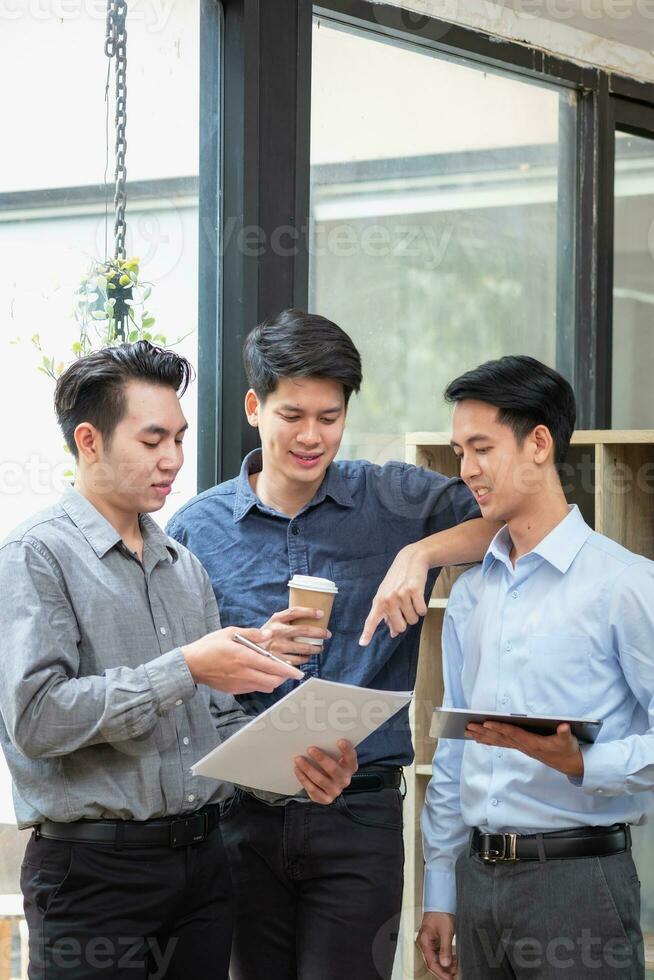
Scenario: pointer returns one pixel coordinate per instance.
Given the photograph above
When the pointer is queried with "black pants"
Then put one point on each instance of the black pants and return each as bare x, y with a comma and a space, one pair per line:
318, 889
128, 914
573, 919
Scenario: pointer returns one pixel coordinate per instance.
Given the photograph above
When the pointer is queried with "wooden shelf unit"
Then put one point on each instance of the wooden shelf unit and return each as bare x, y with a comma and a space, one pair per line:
610, 475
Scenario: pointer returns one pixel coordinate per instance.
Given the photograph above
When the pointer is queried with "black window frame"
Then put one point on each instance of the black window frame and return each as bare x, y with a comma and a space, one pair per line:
266, 93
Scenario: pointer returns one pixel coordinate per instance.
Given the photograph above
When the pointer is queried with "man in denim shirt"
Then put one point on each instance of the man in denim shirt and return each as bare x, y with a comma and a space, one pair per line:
319, 893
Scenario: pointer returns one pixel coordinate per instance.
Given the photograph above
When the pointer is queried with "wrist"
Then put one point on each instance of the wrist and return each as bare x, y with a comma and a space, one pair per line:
429, 551
190, 653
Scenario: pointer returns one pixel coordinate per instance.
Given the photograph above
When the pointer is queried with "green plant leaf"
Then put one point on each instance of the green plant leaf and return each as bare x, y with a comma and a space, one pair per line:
98, 314
134, 335
148, 321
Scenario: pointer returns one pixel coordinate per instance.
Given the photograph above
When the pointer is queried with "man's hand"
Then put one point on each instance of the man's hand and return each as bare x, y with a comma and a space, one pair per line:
400, 599
435, 943
217, 661
560, 751
325, 778
283, 642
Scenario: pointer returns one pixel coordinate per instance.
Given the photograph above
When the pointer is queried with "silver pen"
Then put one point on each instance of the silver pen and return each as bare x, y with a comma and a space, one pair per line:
264, 653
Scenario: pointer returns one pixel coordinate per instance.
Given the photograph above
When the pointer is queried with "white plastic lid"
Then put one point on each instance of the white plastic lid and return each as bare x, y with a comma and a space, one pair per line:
313, 584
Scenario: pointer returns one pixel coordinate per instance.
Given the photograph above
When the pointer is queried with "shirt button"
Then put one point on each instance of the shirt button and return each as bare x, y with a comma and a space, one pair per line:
504, 700
190, 797
515, 593
494, 802
508, 647
295, 529
178, 702
162, 630
186, 740
499, 753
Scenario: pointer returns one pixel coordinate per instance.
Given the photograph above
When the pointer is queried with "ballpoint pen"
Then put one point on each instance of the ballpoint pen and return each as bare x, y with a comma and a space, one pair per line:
264, 653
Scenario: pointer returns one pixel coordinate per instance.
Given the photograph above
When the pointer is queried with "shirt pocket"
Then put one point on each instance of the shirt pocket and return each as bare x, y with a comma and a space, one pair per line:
357, 582
561, 676
194, 627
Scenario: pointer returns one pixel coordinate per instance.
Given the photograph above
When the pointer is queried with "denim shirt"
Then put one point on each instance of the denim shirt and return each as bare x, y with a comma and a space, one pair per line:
350, 532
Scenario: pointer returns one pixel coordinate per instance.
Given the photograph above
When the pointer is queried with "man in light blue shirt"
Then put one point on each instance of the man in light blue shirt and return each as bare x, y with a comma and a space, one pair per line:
526, 837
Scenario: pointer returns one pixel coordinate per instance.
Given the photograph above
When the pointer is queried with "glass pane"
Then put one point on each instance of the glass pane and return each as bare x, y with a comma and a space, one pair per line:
633, 283
52, 223
434, 206
55, 214
633, 363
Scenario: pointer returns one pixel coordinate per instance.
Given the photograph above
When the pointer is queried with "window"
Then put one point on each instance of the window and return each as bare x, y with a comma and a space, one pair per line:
52, 223
633, 283
52, 216
434, 209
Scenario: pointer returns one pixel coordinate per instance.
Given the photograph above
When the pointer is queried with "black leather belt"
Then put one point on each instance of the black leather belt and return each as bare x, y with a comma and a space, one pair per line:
370, 780
173, 832
576, 843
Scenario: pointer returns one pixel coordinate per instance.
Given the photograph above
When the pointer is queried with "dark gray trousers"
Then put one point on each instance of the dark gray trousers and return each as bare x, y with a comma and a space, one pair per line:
572, 919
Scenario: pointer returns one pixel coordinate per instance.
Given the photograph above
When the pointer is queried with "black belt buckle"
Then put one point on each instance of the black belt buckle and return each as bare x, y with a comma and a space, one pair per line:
189, 830
498, 847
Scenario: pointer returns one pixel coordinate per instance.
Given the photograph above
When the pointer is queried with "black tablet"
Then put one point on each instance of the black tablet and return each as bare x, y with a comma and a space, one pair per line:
452, 723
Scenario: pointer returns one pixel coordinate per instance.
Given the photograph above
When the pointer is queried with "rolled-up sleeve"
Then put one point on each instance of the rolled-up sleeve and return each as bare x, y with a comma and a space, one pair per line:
47, 708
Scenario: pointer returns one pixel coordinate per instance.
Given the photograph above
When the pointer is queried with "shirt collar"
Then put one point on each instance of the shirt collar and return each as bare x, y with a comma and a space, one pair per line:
333, 485
559, 548
103, 536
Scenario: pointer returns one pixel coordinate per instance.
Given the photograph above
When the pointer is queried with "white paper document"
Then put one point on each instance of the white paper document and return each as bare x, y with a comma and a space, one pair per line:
261, 755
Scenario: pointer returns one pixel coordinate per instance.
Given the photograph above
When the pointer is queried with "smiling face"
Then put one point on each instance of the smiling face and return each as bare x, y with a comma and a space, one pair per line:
134, 471
506, 477
301, 426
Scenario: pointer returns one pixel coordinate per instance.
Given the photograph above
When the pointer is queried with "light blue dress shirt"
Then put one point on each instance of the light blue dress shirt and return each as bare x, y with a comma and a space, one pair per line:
569, 631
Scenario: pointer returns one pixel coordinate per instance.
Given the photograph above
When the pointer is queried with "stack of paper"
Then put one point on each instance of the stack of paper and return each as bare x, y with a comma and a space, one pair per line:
261, 755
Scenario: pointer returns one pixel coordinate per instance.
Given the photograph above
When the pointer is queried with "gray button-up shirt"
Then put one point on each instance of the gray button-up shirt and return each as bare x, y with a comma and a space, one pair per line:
100, 717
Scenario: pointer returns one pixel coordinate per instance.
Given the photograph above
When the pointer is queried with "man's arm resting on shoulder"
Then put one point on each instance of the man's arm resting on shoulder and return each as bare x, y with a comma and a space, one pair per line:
400, 599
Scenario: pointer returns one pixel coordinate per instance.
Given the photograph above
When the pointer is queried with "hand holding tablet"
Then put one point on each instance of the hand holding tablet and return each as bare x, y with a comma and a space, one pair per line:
452, 723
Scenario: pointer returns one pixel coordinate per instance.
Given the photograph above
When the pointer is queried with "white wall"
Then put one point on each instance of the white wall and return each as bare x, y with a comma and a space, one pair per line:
617, 35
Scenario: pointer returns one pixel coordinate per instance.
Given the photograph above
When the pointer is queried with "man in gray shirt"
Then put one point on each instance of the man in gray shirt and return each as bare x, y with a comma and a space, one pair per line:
116, 677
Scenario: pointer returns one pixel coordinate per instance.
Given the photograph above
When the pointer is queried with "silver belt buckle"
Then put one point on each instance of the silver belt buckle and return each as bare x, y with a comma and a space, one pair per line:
507, 851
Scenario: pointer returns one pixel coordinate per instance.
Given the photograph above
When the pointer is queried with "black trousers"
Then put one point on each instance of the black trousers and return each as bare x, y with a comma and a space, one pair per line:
128, 914
318, 889
573, 919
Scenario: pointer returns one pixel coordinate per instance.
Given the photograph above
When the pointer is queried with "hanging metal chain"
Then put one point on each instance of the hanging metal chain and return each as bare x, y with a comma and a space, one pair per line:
116, 47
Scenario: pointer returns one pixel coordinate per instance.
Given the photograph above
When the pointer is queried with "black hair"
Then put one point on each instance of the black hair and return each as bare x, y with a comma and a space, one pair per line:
91, 389
294, 344
526, 393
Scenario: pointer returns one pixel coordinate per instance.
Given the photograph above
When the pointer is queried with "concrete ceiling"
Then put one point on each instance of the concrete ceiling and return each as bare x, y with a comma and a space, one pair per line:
629, 22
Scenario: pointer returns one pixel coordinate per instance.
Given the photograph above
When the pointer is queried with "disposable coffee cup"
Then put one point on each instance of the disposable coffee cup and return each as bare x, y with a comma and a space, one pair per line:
315, 593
